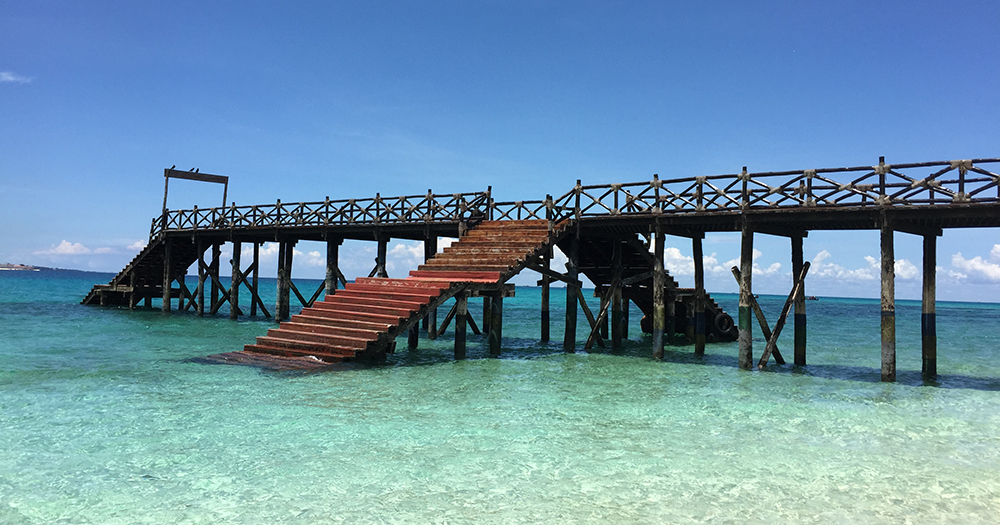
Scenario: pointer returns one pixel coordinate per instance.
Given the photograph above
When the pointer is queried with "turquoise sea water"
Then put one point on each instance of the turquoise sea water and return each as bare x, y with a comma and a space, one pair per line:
107, 417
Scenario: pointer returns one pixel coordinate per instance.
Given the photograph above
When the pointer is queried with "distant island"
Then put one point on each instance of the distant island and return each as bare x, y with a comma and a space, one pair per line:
20, 267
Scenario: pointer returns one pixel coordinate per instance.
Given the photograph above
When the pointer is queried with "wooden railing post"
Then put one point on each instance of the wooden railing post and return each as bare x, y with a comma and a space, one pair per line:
549, 214
700, 194
881, 180
489, 202
745, 177
657, 208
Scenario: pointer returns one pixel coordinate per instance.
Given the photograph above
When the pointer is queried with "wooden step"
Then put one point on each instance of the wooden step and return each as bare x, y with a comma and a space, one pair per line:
382, 310
334, 321
343, 331
499, 268
417, 296
304, 347
353, 315
456, 276
313, 337
329, 356
370, 301
402, 283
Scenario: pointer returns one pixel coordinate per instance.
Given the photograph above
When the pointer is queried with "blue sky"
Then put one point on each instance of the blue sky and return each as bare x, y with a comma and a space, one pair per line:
301, 100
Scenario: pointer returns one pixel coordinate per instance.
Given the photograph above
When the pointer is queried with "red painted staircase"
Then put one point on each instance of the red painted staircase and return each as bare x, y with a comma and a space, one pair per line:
363, 320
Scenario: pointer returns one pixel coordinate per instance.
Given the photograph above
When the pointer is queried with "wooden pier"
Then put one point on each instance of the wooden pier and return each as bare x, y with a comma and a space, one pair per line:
614, 234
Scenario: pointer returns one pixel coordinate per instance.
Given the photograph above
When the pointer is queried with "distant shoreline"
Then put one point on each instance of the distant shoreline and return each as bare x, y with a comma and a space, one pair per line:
31, 268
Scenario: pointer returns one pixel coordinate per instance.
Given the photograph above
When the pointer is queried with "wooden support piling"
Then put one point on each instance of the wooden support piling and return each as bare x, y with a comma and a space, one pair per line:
496, 323
699, 297
256, 272
281, 307
234, 283
670, 321
800, 303
383, 243
616, 298
746, 294
659, 294
928, 323
413, 337
332, 264
168, 276
572, 272
430, 250
202, 277
625, 316
546, 263
214, 271
888, 303
486, 314
461, 320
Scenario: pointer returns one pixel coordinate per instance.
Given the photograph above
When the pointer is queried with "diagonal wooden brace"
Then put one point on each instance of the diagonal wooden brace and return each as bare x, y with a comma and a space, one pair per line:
761, 320
772, 341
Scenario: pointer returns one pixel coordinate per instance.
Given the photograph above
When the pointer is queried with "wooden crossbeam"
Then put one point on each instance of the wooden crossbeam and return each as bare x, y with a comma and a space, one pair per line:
637, 278
534, 265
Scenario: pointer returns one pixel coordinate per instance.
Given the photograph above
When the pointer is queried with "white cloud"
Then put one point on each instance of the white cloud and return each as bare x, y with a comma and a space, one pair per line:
9, 76
313, 258
906, 270
713, 267
65, 248
136, 246
677, 263
995, 253
977, 268
822, 269
403, 257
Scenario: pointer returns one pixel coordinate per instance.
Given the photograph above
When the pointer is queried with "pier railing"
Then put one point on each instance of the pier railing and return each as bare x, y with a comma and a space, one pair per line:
917, 184
429, 208
964, 182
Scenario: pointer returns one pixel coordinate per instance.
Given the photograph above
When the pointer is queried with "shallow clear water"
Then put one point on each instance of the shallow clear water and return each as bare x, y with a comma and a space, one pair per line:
107, 417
